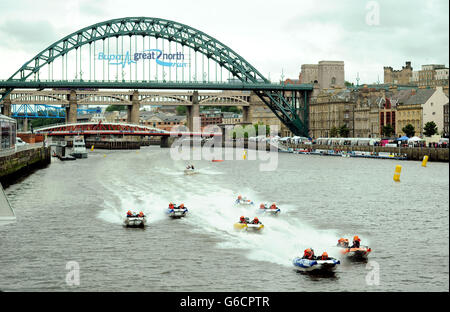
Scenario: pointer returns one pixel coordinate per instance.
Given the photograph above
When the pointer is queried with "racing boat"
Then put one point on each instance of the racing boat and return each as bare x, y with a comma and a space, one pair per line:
270, 211
135, 222
190, 171
356, 253
243, 201
307, 265
248, 227
177, 212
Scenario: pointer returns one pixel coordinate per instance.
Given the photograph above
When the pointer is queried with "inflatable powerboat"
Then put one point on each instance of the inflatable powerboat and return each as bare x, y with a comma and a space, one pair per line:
270, 211
135, 222
356, 253
177, 212
307, 265
248, 227
190, 171
244, 201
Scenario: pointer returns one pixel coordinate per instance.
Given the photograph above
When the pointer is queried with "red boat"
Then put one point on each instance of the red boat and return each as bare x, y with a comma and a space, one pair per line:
361, 252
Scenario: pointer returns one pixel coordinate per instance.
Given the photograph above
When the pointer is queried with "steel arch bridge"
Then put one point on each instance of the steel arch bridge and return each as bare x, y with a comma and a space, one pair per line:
288, 102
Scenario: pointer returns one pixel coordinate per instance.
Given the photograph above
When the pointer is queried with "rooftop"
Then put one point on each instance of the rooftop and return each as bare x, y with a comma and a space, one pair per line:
421, 96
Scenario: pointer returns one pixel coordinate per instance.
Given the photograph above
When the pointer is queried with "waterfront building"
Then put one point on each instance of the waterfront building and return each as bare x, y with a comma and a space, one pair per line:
331, 108
8, 130
160, 120
364, 110
368, 102
229, 118
433, 109
410, 112
211, 116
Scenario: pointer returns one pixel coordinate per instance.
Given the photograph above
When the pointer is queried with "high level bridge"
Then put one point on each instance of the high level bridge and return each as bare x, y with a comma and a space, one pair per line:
142, 53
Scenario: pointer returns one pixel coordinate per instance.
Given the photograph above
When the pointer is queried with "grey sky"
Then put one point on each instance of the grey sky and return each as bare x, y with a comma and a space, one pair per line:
271, 35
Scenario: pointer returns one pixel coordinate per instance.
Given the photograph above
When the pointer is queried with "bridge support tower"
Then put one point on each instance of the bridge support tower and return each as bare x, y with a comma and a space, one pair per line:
133, 110
246, 115
193, 113
25, 125
71, 110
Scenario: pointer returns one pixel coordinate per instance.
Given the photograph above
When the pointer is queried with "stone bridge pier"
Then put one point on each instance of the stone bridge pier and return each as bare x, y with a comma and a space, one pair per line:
71, 109
193, 112
133, 110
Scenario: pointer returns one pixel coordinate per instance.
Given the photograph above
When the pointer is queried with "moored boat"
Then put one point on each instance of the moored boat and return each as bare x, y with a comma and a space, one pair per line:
79, 147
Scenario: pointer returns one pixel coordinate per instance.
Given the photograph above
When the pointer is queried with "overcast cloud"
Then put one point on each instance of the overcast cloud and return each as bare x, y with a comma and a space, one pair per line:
274, 36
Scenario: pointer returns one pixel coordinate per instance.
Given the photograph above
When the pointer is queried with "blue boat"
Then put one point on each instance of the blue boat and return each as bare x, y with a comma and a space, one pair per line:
307, 265
177, 212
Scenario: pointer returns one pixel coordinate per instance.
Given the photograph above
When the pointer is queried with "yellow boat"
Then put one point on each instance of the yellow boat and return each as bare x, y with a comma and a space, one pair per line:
248, 226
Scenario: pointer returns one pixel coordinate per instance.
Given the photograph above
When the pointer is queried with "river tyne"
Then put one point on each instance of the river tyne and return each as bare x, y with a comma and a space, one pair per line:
73, 211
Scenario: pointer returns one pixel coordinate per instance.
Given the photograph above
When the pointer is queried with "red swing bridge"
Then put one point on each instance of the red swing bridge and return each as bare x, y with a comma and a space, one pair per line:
119, 130
100, 128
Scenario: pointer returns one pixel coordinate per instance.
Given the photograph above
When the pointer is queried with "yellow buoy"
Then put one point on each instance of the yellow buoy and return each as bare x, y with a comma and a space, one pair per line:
398, 170
425, 160
92, 148
244, 156
104, 155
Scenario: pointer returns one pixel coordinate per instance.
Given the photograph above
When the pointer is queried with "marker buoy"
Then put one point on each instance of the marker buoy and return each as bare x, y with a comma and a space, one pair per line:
425, 160
92, 148
398, 170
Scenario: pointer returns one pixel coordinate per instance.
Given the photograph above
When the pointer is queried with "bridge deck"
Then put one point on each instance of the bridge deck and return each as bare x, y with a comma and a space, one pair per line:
44, 84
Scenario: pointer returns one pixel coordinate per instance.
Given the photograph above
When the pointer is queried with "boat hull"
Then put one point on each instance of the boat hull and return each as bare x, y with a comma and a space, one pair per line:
270, 212
135, 222
356, 253
177, 213
306, 265
248, 227
80, 155
244, 202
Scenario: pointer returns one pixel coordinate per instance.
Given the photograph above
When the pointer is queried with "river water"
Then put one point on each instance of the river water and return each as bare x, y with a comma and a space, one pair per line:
73, 211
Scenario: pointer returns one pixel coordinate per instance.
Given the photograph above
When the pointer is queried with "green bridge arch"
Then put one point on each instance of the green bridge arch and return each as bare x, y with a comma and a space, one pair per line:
287, 109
